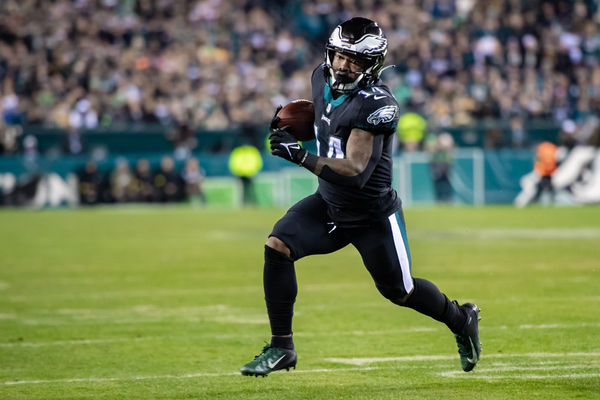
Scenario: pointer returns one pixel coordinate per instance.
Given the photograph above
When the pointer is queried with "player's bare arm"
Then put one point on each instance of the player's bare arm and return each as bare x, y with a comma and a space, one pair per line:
363, 152
358, 153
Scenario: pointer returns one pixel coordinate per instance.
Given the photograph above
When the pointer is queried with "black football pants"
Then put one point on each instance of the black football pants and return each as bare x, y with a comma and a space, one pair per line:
306, 229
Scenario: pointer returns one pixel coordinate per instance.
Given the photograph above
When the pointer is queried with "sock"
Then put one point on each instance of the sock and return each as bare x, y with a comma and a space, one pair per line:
427, 299
284, 342
279, 281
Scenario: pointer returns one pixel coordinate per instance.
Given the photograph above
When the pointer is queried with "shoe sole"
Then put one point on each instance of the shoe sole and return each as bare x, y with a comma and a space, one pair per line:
256, 374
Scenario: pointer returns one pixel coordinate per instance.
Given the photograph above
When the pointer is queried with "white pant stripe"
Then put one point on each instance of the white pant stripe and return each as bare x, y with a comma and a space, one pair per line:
402, 253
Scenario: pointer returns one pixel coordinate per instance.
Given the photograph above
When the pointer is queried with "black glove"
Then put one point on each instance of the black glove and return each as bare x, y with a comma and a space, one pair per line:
275, 120
285, 145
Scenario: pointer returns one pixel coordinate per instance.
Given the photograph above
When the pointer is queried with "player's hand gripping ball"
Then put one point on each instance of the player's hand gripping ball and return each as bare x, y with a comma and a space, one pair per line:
296, 117
285, 145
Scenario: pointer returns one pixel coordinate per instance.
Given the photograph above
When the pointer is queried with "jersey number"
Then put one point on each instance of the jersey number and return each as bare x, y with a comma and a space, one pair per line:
335, 148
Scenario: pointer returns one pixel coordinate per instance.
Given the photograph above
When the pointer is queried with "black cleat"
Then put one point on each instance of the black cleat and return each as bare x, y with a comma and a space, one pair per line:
269, 360
469, 346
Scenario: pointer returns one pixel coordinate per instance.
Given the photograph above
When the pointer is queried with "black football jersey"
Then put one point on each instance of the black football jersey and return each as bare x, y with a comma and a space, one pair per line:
372, 109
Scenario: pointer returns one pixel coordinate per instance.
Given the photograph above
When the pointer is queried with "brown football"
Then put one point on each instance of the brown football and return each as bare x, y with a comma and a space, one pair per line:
299, 116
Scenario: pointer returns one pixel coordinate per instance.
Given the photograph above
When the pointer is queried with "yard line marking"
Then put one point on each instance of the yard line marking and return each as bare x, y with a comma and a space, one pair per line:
153, 293
449, 374
371, 360
185, 376
224, 336
125, 378
558, 326
368, 333
459, 374
72, 342
416, 329
508, 368
510, 233
232, 319
257, 320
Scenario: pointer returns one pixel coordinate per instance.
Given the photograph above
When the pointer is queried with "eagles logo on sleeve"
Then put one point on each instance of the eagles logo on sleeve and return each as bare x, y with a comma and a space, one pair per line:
382, 115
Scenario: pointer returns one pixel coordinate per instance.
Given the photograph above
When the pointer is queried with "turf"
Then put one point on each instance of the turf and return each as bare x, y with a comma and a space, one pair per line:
167, 303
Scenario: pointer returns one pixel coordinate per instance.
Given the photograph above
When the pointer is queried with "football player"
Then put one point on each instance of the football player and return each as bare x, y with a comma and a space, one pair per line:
355, 119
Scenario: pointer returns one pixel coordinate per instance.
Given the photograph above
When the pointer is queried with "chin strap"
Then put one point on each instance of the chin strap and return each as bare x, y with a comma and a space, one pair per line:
345, 87
339, 86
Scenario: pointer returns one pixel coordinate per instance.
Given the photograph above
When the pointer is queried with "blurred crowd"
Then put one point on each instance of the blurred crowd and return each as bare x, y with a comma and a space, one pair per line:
142, 184
217, 64
122, 180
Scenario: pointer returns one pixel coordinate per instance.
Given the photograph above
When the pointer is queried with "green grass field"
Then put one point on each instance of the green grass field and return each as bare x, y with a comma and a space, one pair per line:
167, 303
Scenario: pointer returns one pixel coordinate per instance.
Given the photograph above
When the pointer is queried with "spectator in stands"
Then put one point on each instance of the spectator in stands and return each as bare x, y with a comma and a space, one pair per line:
30, 149
11, 114
193, 178
440, 165
90, 182
184, 139
8, 138
143, 181
121, 183
81, 117
517, 132
167, 183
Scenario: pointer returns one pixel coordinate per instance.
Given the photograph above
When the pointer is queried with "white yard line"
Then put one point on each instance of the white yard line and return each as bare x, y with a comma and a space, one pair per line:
368, 333
511, 368
448, 374
123, 378
371, 360
154, 293
520, 376
257, 320
561, 326
72, 342
143, 293
163, 377
511, 233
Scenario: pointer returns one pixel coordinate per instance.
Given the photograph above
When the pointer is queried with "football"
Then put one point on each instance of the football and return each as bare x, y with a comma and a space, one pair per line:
299, 116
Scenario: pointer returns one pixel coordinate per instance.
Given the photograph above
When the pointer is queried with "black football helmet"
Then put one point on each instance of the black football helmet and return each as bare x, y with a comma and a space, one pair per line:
360, 38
